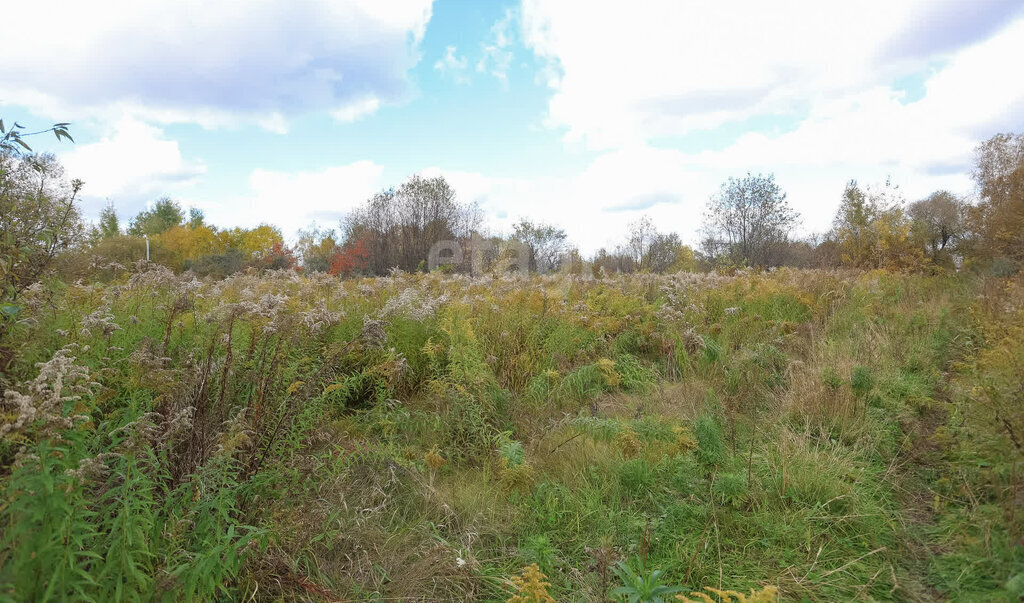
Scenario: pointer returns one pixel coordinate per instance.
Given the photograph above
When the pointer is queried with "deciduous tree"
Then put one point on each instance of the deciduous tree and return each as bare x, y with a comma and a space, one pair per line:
937, 223
109, 225
642, 235
187, 244
351, 258
400, 225
316, 247
546, 243
871, 229
38, 219
998, 219
165, 214
746, 221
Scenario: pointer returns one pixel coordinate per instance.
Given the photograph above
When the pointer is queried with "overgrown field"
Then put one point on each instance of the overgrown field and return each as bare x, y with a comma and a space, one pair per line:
835, 435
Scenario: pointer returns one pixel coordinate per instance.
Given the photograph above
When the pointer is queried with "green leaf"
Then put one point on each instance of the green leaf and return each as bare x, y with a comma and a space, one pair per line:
10, 310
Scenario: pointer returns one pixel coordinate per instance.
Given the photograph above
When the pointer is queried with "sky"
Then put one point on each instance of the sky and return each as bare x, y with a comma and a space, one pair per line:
587, 115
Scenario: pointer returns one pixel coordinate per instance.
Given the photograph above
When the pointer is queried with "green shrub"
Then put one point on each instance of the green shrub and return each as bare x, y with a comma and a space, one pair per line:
636, 478
710, 440
830, 377
730, 487
861, 381
712, 351
635, 377
537, 549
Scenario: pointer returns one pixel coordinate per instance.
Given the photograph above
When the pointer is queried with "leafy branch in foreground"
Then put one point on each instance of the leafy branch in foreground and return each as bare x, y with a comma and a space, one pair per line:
13, 139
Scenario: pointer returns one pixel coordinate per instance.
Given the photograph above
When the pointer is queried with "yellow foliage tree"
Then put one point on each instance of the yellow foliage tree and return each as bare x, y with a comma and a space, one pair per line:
252, 241
686, 260
998, 220
895, 249
186, 243
872, 230
317, 247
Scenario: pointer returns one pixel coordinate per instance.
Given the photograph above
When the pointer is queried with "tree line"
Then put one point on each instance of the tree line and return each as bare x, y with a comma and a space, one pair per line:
749, 222
185, 241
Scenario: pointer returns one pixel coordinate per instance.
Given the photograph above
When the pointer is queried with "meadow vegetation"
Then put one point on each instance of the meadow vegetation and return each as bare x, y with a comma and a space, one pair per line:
829, 434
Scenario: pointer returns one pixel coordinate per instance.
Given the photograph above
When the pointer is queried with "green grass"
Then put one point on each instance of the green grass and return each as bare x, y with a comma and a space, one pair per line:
830, 434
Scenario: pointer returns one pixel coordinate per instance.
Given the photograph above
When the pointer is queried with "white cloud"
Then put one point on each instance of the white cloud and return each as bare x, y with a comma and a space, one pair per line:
658, 69
213, 63
496, 54
595, 204
966, 100
275, 122
357, 109
676, 68
453, 65
870, 135
623, 81
924, 145
130, 163
292, 200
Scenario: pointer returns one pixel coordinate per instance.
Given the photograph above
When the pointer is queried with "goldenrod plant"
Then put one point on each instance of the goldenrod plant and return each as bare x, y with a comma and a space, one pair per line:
531, 587
830, 434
